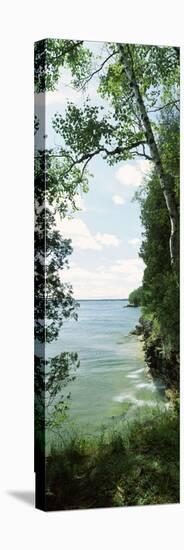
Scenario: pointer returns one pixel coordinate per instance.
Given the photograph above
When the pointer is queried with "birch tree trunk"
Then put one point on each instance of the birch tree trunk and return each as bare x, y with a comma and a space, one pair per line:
166, 183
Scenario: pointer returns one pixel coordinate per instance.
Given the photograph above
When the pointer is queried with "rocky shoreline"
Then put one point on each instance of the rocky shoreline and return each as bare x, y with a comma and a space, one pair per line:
160, 367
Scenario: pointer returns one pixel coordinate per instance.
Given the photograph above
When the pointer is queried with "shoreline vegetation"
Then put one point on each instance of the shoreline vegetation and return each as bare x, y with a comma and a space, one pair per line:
135, 462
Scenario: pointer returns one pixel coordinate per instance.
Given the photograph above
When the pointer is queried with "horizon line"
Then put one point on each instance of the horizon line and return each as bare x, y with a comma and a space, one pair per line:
100, 299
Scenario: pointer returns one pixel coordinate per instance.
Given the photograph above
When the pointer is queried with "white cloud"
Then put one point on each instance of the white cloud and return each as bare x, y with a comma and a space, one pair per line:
116, 281
93, 91
67, 92
81, 236
79, 202
133, 174
57, 97
134, 242
60, 97
106, 239
133, 268
117, 199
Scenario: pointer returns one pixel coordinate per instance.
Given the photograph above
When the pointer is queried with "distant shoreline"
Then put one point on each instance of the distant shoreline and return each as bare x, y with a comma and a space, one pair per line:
101, 299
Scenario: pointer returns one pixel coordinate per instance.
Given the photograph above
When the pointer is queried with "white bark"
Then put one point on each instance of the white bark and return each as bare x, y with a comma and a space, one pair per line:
164, 183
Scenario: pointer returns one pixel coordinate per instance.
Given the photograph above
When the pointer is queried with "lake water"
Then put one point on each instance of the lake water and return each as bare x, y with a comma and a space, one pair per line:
111, 380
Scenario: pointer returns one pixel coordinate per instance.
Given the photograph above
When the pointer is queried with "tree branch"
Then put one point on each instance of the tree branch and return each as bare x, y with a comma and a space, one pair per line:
147, 157
86, 157
119, 149
164, 106
97, 70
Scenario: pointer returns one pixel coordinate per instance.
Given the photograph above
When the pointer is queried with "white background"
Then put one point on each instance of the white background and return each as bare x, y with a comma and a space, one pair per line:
23, 527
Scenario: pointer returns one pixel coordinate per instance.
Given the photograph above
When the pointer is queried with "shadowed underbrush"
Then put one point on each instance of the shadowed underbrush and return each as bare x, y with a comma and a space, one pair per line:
135, 464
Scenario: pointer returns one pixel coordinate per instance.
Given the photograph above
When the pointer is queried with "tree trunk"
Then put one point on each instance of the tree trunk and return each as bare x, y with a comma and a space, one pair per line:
165, 182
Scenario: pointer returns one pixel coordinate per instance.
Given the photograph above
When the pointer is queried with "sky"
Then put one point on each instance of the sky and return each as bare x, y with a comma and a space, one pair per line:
106, 232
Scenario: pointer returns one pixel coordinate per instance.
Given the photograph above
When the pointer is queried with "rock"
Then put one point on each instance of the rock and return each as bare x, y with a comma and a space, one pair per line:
137, 331
131, 305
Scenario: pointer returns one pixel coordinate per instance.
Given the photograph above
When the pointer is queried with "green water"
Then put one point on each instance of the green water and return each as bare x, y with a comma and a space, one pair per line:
111, 380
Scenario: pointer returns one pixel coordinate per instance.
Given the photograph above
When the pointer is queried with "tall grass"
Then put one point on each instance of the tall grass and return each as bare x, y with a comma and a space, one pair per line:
134, 463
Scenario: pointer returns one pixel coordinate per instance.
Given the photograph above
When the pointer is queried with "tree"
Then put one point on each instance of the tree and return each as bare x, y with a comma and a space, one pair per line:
55, 193
50, 55
135, 297
160, 294
137, 80
54, 301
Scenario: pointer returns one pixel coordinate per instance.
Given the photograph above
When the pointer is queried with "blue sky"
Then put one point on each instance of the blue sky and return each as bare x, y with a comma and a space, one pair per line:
106, 232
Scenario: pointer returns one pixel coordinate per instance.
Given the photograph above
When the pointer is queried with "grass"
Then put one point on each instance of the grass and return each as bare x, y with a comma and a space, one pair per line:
134, 465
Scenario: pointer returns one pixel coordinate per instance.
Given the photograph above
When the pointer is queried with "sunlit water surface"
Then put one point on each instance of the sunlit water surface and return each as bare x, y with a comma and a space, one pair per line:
112, 380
